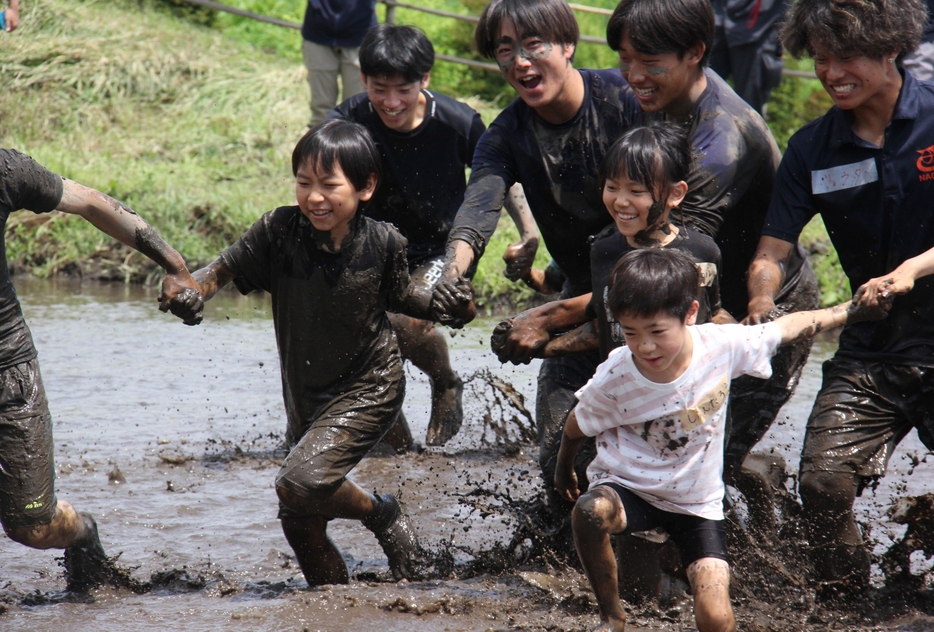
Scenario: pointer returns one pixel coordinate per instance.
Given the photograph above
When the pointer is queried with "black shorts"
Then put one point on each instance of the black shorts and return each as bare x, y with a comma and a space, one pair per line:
696, 537
863, 410
27, 466
343, 431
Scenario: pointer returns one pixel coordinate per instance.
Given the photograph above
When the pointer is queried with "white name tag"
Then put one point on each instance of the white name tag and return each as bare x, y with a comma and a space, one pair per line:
844, 177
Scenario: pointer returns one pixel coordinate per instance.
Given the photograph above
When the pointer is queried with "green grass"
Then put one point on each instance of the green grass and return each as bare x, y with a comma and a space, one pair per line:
191, 120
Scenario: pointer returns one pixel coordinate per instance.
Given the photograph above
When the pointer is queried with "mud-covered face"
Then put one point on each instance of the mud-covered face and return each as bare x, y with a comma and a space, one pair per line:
538, 70
661, 81
329, 200
661, 345
399, 104
854, 80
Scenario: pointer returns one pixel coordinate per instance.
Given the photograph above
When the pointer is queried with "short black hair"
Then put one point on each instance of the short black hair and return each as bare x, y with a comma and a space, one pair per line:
342, 143
870, 28
649, 281
656, 155
655, 27
390, 50
551, 20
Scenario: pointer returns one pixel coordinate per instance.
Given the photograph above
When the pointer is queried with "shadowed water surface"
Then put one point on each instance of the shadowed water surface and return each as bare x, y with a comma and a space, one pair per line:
171, 436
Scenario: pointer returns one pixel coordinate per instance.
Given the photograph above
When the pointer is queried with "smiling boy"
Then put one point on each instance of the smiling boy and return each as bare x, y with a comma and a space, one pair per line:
426, 140
657, 408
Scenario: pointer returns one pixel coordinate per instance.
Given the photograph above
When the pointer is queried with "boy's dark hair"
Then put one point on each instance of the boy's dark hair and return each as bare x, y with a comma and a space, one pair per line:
656, 155
655, 27
551, 20
648, 281
871, 28
389, 50
339, 143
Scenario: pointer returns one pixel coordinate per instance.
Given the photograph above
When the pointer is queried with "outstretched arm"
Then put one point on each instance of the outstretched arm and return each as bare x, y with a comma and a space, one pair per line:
900, 281
800, 326
580, 340
765, 278
181, 301
524, 336
122, 223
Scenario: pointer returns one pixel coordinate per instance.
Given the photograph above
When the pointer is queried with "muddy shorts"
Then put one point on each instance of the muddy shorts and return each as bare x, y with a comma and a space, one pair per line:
863, 410
27, 467
754, 402
344, 429
695, 537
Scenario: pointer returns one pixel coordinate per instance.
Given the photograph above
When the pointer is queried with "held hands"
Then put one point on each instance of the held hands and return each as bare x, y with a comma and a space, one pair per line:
452, 302
519, 258
873, 299
761, 310
519, 339
181, 295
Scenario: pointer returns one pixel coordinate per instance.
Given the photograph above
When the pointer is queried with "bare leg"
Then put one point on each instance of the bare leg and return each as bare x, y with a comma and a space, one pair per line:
598, 514
710, 583
317, 556
399, 437
66, 528
426, 348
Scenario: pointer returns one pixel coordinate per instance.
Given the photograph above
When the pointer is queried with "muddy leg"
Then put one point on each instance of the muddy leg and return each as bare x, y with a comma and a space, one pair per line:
839, 553
426, 348
317, 556
757, 479
399, 437
710, 583
598, 514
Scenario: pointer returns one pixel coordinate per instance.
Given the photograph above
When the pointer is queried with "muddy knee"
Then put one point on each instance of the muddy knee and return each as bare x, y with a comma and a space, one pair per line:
597, 512
827, 493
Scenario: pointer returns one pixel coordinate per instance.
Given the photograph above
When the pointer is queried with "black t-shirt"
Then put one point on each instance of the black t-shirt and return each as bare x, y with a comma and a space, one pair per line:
423, 178
24, 184
329, 309
557, 166
611, 245
730, 184
877, 207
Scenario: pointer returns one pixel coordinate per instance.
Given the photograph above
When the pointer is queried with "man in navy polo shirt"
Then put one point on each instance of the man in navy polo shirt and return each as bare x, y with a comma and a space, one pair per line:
866, 168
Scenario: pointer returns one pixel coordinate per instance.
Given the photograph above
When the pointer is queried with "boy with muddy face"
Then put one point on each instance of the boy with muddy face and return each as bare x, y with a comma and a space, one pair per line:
657, 408
425, 140
864, 167
552, 140
333, 275
29, 510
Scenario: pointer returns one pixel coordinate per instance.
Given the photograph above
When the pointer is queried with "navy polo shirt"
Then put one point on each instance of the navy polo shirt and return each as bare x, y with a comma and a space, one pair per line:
878, 206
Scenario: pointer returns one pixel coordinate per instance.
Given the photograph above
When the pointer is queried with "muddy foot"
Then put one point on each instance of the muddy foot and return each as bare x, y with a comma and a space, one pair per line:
86, 564
447, 413
397, 537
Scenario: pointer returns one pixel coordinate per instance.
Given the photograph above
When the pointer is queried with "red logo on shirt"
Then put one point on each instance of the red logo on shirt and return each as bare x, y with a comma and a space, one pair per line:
926, 160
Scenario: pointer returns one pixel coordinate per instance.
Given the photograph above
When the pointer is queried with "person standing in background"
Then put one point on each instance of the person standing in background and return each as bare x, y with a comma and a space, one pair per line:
332, 33
921, 62
746, 47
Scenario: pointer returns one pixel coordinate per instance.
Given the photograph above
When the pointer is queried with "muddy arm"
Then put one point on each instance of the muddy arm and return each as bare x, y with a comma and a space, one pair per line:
188, 304
571, 441
766, 276
803, 325
520, 256
522, 337
580, 340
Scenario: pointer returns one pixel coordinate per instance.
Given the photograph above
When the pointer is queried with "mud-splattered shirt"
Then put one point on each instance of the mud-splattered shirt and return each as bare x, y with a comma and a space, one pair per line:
557, 166
611, 245
730, 184
423, 180
664, 441
24, 184
329, 309
877, 207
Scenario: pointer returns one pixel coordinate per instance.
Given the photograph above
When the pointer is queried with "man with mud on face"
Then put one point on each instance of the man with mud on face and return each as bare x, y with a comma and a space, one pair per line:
425, 140
864, 167
552, 140
29, 510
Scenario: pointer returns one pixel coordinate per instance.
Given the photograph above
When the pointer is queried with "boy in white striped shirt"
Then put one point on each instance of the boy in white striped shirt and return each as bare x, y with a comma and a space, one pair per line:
657, 408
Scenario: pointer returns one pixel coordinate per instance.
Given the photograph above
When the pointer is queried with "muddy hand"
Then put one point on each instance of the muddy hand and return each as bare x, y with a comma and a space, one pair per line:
499, 338
566, 483
452, 302
862, 310
876, 292
183, 301
519, 258
762, 311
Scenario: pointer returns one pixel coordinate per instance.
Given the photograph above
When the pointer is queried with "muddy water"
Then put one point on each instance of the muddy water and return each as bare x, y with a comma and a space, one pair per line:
171, 436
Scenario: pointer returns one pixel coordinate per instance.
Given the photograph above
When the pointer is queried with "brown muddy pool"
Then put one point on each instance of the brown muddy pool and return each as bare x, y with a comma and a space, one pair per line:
171, 436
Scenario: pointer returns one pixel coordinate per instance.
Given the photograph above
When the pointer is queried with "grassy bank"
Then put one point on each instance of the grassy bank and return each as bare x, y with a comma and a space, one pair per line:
192, 125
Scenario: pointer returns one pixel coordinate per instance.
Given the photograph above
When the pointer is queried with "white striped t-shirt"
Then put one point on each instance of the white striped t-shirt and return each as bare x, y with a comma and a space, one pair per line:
664, 442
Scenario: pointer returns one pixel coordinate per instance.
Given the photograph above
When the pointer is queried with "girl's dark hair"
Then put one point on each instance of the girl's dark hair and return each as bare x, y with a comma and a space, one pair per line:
389, 50
655, 27
345, 144
870, 28
551, 20
656, 155
649, 281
